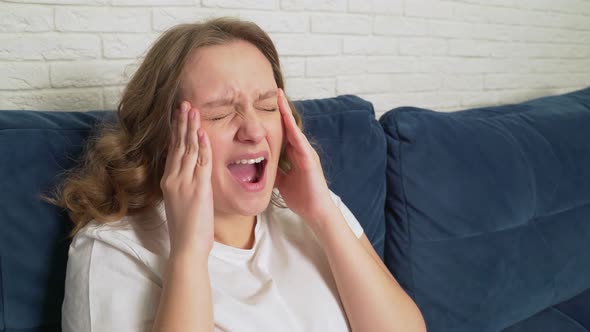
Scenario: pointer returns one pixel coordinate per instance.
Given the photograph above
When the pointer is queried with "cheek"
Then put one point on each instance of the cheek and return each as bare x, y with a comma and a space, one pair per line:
219, 143
275, 134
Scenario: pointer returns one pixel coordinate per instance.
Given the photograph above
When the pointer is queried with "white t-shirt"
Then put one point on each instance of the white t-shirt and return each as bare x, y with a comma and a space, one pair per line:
284, 283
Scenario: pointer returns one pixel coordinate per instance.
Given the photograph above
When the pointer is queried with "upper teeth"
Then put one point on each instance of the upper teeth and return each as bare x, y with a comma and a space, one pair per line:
249, 161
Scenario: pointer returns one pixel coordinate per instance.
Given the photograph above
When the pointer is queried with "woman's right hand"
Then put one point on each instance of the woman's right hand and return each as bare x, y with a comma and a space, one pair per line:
186, 185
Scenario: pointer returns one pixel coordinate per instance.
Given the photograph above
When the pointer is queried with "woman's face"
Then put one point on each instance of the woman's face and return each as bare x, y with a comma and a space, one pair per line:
233, 87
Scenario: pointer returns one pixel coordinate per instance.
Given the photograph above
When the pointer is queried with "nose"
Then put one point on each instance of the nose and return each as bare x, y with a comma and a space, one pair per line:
251, 129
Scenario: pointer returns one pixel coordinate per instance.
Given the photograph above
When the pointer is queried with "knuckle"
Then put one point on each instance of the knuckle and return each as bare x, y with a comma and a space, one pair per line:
165, 185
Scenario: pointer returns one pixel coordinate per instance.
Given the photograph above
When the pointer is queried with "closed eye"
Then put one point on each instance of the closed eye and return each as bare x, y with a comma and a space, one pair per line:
269, 109
217, 118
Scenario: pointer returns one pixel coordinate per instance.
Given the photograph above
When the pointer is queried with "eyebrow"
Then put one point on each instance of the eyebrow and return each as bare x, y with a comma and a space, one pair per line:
230, 100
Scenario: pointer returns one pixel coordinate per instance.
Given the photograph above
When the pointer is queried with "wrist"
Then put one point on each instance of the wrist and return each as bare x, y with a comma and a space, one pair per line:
192, 257
324, 217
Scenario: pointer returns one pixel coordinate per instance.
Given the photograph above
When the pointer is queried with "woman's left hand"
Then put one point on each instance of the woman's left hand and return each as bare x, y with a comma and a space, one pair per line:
303, 187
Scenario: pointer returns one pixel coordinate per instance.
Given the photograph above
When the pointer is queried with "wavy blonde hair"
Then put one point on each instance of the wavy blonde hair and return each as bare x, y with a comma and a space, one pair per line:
120, 169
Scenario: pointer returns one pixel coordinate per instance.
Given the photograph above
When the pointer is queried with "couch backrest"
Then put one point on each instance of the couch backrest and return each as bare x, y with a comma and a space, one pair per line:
36, 147
488, 210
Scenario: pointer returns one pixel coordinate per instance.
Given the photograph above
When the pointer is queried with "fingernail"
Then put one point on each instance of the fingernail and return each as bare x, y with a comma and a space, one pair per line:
183, 107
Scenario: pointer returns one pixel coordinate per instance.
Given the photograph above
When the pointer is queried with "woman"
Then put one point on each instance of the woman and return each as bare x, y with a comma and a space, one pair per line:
174, 226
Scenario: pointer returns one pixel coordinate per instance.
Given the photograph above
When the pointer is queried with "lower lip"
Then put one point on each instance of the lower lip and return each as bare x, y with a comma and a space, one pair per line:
253, 187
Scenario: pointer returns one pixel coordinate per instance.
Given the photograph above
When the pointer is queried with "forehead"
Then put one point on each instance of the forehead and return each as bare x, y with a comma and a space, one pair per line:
235, 66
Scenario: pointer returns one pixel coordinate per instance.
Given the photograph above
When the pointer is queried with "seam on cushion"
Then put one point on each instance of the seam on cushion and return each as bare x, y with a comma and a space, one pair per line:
581, 205
546, 243
408, 232
568, 317
475, 235
528, 223
532, 182
552, 150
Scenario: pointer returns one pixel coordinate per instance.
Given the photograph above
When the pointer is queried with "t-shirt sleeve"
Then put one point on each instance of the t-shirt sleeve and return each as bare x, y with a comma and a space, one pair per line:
354, 224
107, 289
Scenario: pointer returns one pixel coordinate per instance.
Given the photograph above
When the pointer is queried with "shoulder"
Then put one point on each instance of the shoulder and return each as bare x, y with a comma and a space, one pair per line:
142, 239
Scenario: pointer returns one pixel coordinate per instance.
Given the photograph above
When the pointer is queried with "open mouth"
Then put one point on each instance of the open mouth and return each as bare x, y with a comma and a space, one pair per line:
248, 170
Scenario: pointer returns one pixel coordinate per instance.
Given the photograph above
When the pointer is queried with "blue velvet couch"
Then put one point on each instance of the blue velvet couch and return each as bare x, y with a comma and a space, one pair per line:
482, 215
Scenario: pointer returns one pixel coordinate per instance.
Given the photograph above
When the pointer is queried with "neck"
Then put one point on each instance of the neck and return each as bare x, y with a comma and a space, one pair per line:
235, 231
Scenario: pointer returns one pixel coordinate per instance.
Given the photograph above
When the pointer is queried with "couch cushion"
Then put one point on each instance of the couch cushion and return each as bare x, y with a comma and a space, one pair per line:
37, 146
487, 209
547, 320
568, 316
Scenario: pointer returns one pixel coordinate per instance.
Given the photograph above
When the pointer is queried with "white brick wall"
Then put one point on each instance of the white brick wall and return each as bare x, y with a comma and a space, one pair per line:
442, 54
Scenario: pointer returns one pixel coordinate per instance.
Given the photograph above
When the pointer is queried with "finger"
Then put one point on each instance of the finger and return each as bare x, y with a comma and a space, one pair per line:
171, 163
294, 134
191, 152
181, 128
202, 172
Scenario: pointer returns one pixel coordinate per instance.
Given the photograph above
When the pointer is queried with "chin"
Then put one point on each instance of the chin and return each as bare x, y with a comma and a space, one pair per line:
252, 206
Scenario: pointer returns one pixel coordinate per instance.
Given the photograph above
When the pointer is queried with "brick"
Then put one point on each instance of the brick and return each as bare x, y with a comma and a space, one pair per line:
126, 46
552, 35
50, 46
146, 3
24, 75
393, 64
557, 65
386, 83
54, 100
565, 6
422, 46
428, 8
102, 19
164, 18
66, 2
16, 18
288, 45
292, 4
520, 16
505, 3
325, 5
310, 88
400, 26
292, 67
391, 7
437, 101
516, 50
370, 45
382, 102
535, 81
277, 22
462, 82
460, 47
459, 65
112, 97
503, 97
91, 73
242, 4
334, 66
446, 29
360, 84
343, 24
473, 99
